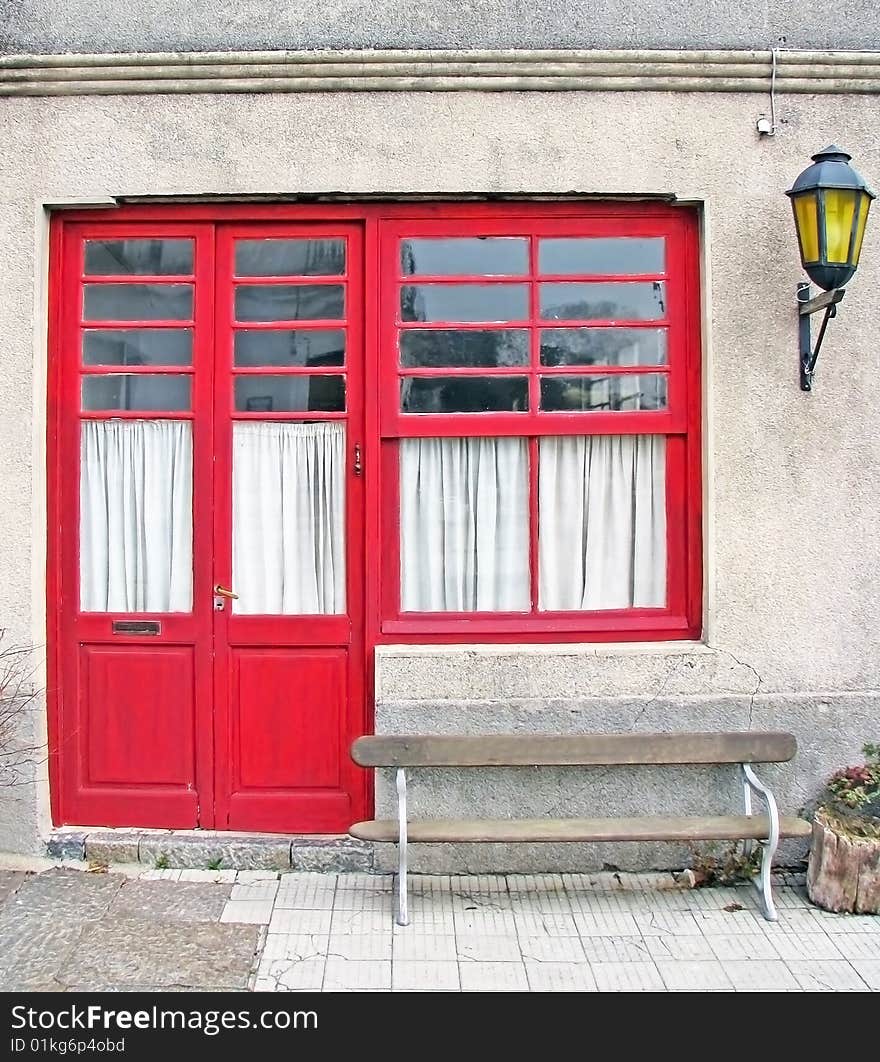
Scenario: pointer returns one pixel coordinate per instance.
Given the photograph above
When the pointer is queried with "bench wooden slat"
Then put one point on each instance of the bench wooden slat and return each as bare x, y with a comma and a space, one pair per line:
653, 828
571, 750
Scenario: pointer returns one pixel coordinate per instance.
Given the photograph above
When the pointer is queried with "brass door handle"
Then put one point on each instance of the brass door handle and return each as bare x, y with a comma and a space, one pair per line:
224, 591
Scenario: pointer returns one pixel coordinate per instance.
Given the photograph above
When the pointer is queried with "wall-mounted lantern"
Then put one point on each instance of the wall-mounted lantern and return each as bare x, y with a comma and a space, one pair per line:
831, 203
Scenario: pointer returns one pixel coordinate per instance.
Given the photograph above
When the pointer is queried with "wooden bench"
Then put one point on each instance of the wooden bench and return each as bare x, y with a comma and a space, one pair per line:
584, 750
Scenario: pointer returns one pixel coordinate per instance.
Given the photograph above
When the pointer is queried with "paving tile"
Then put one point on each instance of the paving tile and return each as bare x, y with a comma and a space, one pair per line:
360, 882
729, 946
679, 947
255, 890
793, 946
161, 875
475, 948
627, 977
795, 921
616, 949
254, 877
429, 884
552, 949
356, 975
408, 975
361, 921
367, 900
560, 977
484, 922
760, 975
214, 877
295, 947
307, 896
290, 976
859, 945
535, 883
299, 921
493, 977
834, 924
607, 925
833, 976
362, 946
694, 976
423, 947
255, 912
172, 901
10, 880
66, 896
542, 903
667, 923
869, 971
729, 922
537, 924
425, 916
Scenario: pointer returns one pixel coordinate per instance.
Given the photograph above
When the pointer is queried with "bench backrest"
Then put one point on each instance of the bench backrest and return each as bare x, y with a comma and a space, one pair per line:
570, 750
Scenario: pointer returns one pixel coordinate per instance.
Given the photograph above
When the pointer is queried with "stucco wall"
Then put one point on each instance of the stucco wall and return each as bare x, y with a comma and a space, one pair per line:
162, 25
792, 480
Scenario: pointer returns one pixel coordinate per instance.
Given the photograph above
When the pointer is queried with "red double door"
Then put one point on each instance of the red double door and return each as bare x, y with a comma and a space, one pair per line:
208, 515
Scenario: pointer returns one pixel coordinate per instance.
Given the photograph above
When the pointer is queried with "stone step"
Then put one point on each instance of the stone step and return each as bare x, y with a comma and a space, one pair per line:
215, 850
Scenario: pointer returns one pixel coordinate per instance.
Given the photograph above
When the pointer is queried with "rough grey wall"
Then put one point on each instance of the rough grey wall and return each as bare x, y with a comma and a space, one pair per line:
168, 25
793, 480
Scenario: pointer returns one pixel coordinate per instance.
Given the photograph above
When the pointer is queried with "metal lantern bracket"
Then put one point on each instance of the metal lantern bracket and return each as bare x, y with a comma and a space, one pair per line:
827, 301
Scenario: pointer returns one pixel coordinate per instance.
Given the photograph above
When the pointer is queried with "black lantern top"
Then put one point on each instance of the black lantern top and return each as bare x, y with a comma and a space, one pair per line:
831, 202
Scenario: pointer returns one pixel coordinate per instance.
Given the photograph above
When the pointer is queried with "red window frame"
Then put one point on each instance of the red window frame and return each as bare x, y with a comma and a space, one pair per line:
679, 422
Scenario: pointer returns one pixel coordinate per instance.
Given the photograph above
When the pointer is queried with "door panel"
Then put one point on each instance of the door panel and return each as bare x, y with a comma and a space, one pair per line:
289, 683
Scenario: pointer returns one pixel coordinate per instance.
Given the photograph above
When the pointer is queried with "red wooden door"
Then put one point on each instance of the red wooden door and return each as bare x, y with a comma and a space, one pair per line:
205, 431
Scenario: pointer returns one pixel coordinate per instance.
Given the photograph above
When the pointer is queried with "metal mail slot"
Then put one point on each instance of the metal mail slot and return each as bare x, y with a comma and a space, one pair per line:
137, 627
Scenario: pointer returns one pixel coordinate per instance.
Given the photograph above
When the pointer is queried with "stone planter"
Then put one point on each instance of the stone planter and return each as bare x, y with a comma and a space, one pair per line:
844, 868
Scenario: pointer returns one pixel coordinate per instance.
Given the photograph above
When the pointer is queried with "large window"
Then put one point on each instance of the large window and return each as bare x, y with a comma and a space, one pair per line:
540, 423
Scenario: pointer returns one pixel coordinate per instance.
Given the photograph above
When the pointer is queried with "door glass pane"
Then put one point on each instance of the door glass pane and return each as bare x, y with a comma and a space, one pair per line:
624, 255
289, 258
143, 391
463, 394
464, 302
304, 347
290, 302
468, 256
153, 257
603, 302
138, 302
290, 394
602, 520
136, 516
137, 346
471, 348
591, 393
288, 518
464, 525
603, 346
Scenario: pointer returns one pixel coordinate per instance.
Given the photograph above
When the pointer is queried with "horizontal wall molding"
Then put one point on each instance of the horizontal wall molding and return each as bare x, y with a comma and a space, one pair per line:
439, 71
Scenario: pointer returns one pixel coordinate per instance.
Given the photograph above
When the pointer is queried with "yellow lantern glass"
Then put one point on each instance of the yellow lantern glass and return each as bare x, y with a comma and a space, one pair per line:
864, 207
806, 216
840, 209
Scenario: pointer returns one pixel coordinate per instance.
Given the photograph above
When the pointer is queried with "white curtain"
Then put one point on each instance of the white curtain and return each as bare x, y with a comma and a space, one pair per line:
288, 518
136, 516
464, 525
602, 522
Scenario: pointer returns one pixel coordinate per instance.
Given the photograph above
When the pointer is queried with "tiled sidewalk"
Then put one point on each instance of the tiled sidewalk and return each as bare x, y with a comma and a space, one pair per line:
545, 933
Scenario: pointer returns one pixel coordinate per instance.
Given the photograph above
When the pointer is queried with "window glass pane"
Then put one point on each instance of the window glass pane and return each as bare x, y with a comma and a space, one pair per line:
136, 392
588, 393
290, 394
289, 258
473, 348
289, 302
138, 302
136, 516
468, 256
603, 346
138, 257
603, 302
288, 518
463, 394
137, 346
464, 525
602, 520
464, 302
624, 255
306, 347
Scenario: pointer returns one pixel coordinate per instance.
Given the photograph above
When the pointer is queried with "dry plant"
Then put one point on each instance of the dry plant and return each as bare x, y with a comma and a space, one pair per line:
18, 693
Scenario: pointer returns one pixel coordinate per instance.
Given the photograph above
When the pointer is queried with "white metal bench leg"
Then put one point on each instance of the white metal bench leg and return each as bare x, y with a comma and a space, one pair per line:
402, 888
768, 847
